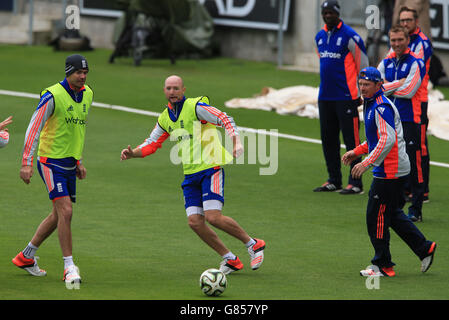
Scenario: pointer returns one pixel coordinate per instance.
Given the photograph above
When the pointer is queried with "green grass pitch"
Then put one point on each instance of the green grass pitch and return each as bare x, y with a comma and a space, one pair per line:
130, 233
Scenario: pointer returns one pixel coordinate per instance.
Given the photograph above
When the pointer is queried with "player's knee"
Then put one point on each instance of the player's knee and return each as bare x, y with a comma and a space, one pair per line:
196, 222
53, 217
66, 214
64, 211
214, 217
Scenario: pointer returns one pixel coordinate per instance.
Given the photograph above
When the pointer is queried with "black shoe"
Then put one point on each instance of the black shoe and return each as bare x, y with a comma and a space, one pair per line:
350, 189
327, 187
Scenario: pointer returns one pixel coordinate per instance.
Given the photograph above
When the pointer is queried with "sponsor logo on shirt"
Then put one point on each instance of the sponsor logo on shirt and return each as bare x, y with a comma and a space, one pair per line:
73, 120
184, 137
331, 55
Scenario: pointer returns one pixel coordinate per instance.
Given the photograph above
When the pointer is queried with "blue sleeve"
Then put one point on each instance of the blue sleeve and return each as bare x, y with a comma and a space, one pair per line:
387, 113
44, 99
358, 39
422, 68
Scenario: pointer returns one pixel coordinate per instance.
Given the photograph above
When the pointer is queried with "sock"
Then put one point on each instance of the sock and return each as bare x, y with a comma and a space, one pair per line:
68, 261
229, 256
30, 250
250, 243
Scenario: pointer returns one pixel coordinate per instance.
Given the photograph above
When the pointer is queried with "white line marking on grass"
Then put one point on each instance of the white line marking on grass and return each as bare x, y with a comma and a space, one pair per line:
19, 94
281, 135
156, 114
95, 104
439, 164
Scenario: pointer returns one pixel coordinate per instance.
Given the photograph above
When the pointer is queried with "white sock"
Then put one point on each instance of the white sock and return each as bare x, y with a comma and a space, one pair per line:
30, 250
68, 261
229, 256
250, 243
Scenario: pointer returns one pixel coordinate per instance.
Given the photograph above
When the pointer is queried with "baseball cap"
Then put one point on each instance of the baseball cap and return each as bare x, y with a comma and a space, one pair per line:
75, 62
331, 4
371, 74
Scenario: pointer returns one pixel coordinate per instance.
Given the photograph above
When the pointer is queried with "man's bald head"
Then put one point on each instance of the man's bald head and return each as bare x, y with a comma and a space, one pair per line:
174, 88
174, 80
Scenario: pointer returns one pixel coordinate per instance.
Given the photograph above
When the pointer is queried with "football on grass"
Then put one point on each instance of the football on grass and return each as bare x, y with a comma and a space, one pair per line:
213, 282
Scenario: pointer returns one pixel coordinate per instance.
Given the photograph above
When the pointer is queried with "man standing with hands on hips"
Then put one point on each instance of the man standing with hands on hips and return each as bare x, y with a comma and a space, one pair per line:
342, 55
57, 130
387, 156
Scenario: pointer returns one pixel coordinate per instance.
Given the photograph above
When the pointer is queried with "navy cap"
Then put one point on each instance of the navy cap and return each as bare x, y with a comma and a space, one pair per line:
75, 62
371, 74
332, 5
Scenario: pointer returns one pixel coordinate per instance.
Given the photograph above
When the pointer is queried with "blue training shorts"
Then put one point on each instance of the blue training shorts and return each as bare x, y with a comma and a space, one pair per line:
59, 176
206, 186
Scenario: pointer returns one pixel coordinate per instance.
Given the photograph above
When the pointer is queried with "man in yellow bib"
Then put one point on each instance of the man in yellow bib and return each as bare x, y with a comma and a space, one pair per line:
192, 123
57, 129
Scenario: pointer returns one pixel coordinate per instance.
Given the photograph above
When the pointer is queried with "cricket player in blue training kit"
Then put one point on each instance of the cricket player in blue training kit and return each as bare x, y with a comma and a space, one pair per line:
403, 72
342, 55
421, 46
385, 147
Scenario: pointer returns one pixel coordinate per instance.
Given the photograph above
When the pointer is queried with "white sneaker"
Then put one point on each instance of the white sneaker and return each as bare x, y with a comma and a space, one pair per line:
29, 264
371, 271
427, 261
228, 266
72, 275
256, 253
35, 270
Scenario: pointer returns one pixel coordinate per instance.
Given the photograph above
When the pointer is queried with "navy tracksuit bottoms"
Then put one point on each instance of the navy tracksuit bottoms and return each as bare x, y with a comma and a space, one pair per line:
336, 116
425, 159
384, 210
415, 184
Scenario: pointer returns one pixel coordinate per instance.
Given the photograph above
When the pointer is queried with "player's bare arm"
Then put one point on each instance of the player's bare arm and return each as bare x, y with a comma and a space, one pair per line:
4, 123
238, 148
81, 171
358, 170
26, 172
349, 157
129, 153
